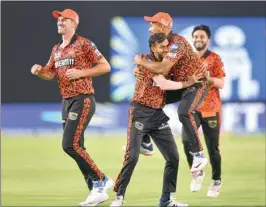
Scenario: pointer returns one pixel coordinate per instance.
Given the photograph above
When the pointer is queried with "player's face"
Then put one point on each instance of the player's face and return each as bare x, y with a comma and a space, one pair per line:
200, 40
64, 25
155, 28
160, 50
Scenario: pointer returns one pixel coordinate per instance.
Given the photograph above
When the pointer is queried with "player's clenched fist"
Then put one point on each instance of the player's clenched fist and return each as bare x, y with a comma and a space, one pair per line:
36, 69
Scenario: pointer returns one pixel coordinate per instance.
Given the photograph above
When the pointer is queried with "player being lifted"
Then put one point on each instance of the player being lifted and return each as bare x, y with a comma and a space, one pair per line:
181, 61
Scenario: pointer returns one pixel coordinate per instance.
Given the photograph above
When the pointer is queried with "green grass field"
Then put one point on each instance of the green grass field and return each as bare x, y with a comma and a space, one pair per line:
36, 172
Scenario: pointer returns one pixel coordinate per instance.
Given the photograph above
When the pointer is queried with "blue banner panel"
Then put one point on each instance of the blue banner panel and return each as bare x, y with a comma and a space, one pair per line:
237, 117
240, 41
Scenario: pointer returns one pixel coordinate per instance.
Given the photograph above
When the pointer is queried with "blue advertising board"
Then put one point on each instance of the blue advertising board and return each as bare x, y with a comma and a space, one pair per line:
240, 41
237, 117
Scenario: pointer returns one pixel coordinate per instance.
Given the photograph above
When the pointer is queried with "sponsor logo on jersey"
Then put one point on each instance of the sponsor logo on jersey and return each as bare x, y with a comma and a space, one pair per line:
64, 62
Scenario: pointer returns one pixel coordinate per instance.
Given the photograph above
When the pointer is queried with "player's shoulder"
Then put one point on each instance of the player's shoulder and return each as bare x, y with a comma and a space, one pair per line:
214, 55
55, 47
177, 41
178, 38
84, 40
148, 56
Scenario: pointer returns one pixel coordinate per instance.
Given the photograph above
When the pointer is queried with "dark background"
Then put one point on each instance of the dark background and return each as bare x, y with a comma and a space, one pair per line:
29, 32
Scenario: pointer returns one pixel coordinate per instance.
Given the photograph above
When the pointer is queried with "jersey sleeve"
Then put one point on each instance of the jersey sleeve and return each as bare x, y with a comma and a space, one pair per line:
176, 50
93, 54
50, 66
219, 68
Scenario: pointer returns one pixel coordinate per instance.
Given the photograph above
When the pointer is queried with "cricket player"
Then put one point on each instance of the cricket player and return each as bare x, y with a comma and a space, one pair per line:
71, 63
209, 112
181, 61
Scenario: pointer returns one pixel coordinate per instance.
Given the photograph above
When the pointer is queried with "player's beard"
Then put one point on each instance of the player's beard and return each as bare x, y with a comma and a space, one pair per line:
160, 57
200, 47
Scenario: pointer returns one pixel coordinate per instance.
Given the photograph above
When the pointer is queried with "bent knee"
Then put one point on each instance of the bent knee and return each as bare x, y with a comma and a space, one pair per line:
67, 148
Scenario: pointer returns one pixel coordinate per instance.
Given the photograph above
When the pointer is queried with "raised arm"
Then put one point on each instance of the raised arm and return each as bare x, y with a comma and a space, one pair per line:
176, 51
163, 67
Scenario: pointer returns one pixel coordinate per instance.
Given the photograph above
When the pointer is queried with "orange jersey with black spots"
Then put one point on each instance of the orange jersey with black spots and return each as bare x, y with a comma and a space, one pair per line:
213, 63
80, 54
146, 92
186, 60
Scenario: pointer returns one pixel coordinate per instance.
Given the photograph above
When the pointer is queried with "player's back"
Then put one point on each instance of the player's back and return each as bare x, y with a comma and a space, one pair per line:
146, 93
187, 61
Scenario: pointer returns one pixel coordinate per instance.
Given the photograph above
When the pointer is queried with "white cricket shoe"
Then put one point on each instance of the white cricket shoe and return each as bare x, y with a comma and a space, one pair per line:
196, 181
172, 203
98, 193
118, 201
94, 199
173, 196
199, 162
108, 184
214, 189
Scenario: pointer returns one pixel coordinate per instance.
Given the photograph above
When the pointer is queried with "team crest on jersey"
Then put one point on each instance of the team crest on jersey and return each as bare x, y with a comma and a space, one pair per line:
72, 115
172, 54
139, 125
174, 47
212, 123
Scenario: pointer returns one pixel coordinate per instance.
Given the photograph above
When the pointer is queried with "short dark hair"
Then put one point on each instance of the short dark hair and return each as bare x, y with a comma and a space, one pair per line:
157, 38
204, 28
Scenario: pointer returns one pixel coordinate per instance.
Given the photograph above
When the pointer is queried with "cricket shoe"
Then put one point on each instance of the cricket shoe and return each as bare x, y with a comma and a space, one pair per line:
196, 181
108, 183
146, 149
214, 189
118, 201
98, 193
171, 203
199, 162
